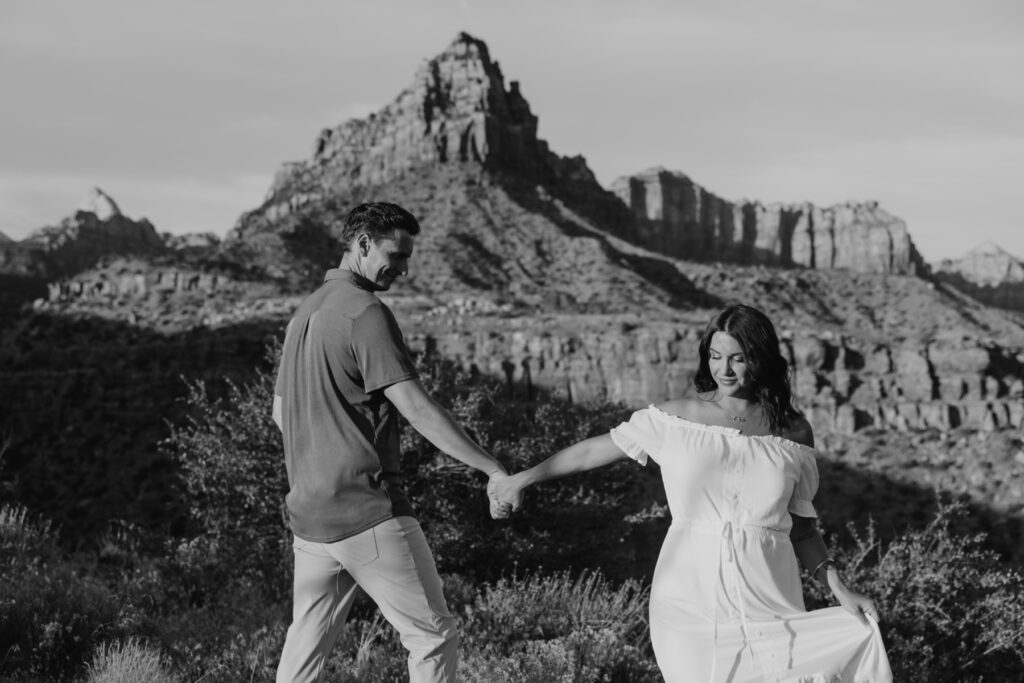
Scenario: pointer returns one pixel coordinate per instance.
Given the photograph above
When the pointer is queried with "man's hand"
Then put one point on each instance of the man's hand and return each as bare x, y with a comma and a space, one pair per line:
504, 490
499, 509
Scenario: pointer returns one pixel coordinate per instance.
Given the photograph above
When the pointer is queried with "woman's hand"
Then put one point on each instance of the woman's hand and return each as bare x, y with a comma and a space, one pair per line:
506, 491
499, 510
860, 606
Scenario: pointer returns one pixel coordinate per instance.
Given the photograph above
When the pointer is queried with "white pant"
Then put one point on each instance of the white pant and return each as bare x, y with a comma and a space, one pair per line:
393, 564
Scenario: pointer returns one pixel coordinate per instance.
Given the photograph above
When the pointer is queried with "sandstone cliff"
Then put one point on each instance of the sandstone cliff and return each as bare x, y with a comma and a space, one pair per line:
503, 216
868, 351
456, 110
989, 274
842, 384
678, 217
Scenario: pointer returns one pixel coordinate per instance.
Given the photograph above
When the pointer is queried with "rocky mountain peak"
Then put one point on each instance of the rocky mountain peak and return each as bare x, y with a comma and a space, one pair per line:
457, 110
468, 48
989, 249
97, 229
987, 265
100, 203
989, 274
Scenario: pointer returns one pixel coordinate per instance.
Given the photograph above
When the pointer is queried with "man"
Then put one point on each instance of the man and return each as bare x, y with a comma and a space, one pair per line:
345, 369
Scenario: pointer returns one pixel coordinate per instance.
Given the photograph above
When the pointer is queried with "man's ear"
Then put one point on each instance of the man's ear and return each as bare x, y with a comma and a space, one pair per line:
363, 244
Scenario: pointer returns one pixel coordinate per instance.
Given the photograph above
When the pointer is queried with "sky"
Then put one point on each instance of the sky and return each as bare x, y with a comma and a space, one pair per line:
183, 110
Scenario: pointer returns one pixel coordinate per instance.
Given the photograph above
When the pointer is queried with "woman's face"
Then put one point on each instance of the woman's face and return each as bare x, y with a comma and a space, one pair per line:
728, 366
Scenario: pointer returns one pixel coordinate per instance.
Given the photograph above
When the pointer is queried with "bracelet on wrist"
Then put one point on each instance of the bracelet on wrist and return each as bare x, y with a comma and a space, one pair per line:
826, 563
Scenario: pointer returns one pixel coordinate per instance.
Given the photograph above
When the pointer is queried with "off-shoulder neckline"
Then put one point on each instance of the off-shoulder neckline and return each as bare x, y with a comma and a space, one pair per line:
732, 431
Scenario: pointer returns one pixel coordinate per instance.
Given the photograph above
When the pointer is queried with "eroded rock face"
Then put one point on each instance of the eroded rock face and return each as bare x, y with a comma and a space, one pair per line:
195, 241
842, 384
134, 283
678, 217
458, 115
456, 110
989, 274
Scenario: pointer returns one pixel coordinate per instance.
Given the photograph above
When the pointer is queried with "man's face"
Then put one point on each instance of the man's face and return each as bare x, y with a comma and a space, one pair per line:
382, 262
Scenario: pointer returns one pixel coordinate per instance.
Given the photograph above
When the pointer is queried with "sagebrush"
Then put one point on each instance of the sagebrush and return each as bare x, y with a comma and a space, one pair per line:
557, 593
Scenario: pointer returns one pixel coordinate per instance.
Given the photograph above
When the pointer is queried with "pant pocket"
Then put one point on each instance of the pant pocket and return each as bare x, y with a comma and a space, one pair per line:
361, 549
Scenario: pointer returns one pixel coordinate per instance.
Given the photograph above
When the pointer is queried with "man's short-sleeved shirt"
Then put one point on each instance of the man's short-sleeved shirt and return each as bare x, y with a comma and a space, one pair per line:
343, 347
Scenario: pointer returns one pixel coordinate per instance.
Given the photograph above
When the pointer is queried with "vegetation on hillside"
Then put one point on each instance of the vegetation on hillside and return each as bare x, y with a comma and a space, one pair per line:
540, 597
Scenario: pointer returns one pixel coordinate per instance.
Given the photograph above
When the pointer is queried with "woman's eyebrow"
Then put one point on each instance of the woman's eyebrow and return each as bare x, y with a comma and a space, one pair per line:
714, 350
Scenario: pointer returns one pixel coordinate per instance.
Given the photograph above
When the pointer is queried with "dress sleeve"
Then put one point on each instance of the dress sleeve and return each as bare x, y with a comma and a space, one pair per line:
640, 436
806, 487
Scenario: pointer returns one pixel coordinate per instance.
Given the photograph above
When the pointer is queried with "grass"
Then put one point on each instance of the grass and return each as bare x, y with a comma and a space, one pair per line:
129, 661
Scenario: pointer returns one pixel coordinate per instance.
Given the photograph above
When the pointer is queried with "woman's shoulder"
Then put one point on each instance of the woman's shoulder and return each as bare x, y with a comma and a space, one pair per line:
799, 430
692, 408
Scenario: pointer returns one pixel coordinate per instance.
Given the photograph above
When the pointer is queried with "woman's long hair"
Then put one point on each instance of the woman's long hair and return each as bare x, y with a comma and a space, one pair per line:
766, 365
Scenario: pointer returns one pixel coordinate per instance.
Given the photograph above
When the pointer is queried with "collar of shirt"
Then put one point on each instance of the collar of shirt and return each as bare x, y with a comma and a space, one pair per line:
355, 278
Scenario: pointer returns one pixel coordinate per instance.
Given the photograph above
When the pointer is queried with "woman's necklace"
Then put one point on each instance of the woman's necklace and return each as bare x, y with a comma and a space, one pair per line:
743, 417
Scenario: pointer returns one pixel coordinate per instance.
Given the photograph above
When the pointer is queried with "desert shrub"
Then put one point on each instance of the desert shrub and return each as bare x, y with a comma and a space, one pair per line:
952, 612
128, 661
368, 651
232, 655
25, 538
559, 524
232, 466
233, 472
53, 611
548, 606
558, 628
588, 631
535, 661
232, 631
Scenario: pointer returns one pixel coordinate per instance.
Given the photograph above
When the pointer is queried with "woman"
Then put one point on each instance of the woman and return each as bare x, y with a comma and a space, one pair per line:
739, 471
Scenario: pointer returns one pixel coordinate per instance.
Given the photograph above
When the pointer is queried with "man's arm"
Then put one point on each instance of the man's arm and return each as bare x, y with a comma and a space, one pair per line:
437, 426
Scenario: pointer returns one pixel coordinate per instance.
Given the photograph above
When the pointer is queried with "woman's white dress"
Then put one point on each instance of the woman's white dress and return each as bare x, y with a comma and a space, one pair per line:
726, 599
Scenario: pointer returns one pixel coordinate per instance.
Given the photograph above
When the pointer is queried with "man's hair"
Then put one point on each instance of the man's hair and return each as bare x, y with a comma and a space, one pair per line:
379, 220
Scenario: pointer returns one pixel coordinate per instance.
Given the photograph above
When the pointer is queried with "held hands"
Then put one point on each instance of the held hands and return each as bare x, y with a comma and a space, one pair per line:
499, 509
504, 497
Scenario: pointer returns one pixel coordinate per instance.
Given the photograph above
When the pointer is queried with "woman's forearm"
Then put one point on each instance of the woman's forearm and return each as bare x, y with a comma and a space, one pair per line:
809, 547
580, 457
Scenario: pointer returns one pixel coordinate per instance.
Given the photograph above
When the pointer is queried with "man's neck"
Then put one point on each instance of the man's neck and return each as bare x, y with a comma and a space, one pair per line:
349, 263
360, 279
